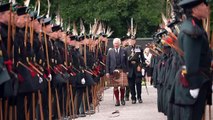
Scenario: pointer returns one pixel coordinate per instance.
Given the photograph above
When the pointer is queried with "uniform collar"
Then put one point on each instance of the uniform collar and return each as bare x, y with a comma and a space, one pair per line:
197, 21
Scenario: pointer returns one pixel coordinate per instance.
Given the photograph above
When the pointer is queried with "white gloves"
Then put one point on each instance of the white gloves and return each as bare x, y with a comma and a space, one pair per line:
194, 93
143, 72
50, 77
40, 80
83, 81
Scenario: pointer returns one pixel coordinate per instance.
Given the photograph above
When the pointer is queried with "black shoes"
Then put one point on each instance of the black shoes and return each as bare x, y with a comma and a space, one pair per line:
127, 98
133, 101
123, 102
140, 100
117, 103
91, 112
82, 115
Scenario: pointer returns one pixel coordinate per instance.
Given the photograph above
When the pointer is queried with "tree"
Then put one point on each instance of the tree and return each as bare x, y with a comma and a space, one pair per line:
115, 13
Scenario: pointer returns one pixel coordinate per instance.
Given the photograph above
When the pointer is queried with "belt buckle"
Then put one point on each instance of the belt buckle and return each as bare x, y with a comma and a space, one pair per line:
133, 62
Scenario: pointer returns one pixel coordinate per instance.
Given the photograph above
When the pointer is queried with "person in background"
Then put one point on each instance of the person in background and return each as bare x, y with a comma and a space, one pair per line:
148, 74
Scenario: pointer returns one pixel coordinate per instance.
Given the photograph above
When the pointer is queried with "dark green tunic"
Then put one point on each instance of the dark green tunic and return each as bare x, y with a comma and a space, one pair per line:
197, 59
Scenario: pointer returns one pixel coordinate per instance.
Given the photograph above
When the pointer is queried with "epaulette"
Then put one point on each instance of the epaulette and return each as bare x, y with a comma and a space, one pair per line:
190, 28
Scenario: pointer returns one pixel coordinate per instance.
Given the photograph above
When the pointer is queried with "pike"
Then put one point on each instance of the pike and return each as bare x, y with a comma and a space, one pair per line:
57, 102
68, 86
49, 84
9, 33
210, 37
85, 61
25, 46
31, 45
9, 53
1, 110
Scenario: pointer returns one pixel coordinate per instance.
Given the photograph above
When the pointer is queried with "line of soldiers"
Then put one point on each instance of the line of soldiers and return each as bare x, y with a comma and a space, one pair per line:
45, 72
182, 70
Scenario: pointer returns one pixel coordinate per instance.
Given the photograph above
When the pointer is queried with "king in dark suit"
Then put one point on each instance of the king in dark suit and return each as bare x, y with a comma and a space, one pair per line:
134, 65
116, 59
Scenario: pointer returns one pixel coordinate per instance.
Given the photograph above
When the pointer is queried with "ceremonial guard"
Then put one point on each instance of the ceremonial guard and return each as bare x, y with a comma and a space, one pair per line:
192, 83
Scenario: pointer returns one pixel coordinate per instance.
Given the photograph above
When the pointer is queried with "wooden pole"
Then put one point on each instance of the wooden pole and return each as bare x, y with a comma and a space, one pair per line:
9, 33
210, 113
11, 113
31, 43
15, 111
66, 64
1, 112
87, 94
5, 109
63, 108
76, 104
67, 101
72, 100
58, 106
33, 104
49, 84
211, 41
25, 107
93, 97
40, 105
84, 101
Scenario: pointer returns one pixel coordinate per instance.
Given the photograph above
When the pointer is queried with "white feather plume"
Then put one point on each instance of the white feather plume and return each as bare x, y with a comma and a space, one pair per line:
82, 28
26, 3
74, 30
90, 29
39, 7
109, 32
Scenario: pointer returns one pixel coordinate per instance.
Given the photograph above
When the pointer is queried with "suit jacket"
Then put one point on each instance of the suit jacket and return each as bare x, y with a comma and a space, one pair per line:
111, 60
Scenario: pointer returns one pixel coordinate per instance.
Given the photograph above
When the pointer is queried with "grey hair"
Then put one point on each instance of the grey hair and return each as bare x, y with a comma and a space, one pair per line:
115, 40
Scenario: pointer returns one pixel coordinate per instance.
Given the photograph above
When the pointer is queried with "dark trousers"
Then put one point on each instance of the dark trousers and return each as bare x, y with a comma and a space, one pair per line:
78, 99
127, 92
20, 105
132, 83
